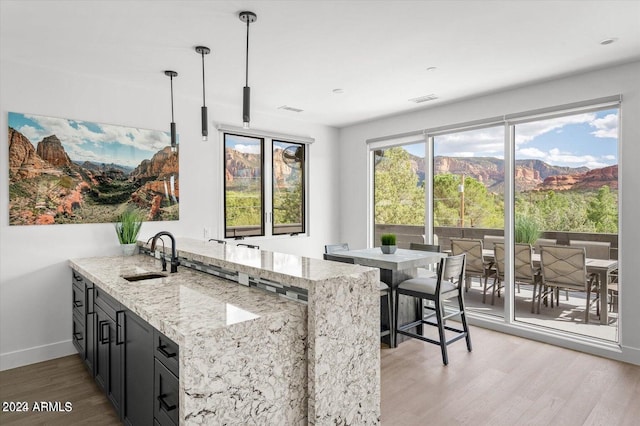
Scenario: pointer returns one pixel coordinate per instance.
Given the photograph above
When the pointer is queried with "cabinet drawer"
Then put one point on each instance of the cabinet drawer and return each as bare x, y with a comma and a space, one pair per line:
167, 351
78, 300
166, 399
79, 335
108, 304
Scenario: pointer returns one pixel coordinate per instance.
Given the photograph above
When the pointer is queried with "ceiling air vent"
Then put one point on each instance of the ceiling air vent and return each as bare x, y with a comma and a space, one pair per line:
288, 108
424, 98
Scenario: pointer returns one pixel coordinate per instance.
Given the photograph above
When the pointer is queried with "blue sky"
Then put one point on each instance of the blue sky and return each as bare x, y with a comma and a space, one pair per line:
580, 140
87, 141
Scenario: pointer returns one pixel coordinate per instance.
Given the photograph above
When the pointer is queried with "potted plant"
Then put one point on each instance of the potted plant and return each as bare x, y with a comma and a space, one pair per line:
526, 230
388, 243
127, 229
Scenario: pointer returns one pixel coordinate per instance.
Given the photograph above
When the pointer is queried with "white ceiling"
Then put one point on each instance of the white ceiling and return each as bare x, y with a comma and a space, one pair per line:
377, 52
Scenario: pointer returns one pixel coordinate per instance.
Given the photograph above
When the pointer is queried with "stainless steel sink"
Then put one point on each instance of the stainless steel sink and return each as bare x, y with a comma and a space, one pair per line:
144, 276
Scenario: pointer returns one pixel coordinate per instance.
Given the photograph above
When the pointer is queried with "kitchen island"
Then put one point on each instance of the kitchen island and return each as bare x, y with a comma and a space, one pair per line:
293, 340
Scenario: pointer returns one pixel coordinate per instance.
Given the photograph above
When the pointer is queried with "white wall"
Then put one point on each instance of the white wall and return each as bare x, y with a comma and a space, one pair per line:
35, 281
612, 81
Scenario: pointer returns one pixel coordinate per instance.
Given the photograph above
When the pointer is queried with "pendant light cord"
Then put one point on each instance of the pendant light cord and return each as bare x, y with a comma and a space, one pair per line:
171, 77
203, 91
246, 71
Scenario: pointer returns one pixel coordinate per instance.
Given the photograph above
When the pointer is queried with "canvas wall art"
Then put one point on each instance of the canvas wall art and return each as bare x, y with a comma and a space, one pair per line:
73, 171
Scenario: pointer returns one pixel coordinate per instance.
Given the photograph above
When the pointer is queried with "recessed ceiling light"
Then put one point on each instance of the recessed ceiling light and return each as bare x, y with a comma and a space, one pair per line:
432, 68
608, 41
424, 98
338, 91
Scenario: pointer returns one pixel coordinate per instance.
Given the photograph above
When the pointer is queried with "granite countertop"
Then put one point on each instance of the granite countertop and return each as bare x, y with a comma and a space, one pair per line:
183, 304
280, 267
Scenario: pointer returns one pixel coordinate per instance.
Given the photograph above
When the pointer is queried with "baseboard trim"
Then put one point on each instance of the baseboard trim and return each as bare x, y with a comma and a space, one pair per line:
36, 354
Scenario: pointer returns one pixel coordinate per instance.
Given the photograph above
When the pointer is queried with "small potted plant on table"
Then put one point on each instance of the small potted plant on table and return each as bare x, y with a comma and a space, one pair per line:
128, 227
388, 243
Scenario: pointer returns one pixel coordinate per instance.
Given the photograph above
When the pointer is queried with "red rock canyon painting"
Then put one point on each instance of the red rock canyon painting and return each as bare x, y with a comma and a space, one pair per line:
65, 171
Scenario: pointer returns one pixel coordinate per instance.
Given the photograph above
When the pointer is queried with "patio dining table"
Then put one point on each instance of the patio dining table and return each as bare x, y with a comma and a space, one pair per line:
394, 269
602, 267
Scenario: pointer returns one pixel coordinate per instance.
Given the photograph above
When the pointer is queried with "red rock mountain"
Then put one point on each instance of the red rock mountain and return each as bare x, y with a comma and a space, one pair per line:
163, 164
24, 162
50, 149
591, 180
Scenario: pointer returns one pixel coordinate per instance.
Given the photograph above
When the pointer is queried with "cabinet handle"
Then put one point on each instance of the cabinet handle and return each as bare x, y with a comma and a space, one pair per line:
164, 404
119, 328
90, 300
164, 352
75, 336
77, 304
104, 339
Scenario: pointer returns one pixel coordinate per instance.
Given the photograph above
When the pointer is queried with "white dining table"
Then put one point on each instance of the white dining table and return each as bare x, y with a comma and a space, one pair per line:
394, 269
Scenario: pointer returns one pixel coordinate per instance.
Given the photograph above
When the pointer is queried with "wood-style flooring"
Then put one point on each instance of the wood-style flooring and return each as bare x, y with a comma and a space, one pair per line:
506, 380
60, 380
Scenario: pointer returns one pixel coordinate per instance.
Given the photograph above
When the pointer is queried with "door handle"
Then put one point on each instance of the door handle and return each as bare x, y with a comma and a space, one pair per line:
164, 404
119, 327
90, 301
163, 351
104, 339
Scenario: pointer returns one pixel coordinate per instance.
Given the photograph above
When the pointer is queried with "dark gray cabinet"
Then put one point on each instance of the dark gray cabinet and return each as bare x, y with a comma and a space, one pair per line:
83, 320
109, 348
138, 370
134, 364
166, 406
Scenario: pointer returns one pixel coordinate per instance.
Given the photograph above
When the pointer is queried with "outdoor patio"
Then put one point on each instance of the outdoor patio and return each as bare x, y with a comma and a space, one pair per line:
567, 316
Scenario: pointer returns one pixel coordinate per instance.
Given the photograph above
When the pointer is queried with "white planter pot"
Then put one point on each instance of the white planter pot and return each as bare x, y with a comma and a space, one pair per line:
388, 249
128, 249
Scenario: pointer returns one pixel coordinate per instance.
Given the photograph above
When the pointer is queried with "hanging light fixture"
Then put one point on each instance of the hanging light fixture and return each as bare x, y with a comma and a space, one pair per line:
172, 74
247, 17
203, 50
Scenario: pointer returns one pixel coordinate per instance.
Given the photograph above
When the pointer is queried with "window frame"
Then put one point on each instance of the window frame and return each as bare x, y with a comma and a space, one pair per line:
268, 139
303, 177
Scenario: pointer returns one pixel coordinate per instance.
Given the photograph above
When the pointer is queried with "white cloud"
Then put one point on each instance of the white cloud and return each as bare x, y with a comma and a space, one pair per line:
482, 142
142, 139
530, 152
606, 127
526, 132
247, 149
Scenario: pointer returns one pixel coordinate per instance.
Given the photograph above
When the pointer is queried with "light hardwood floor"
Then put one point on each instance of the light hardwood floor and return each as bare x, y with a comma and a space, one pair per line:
506, 380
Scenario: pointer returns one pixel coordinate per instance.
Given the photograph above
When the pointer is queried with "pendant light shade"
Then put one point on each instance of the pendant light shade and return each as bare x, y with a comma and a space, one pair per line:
172, 74
247, 17
203, 50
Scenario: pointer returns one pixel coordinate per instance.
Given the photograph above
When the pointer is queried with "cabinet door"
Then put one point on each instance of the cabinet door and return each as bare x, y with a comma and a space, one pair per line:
108, 361
138, 370
90, 329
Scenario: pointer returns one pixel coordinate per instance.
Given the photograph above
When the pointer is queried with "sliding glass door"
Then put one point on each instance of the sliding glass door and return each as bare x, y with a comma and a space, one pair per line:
566, 194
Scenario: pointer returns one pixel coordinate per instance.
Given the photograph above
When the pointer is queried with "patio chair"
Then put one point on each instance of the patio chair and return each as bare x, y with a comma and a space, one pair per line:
446, 285
565, 267
476, 265
523, 268
594, 249
332, 248
385, 291
424, 272
490, 240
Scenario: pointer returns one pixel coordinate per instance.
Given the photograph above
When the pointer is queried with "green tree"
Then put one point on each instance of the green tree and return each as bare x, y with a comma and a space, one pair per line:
481, 208
399, 199
603, 212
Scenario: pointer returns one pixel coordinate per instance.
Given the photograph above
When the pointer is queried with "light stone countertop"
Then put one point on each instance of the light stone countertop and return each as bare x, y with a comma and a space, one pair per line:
182, 304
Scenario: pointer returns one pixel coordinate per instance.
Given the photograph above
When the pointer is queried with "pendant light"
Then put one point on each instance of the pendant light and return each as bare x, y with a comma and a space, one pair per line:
203, 50
247, 17
172, 74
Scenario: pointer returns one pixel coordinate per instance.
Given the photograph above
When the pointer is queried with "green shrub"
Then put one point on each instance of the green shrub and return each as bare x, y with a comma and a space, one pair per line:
527, 230
128, 225
388, 239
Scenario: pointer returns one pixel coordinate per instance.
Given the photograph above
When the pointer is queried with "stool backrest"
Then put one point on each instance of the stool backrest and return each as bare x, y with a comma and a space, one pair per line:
451, 269
332, 248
